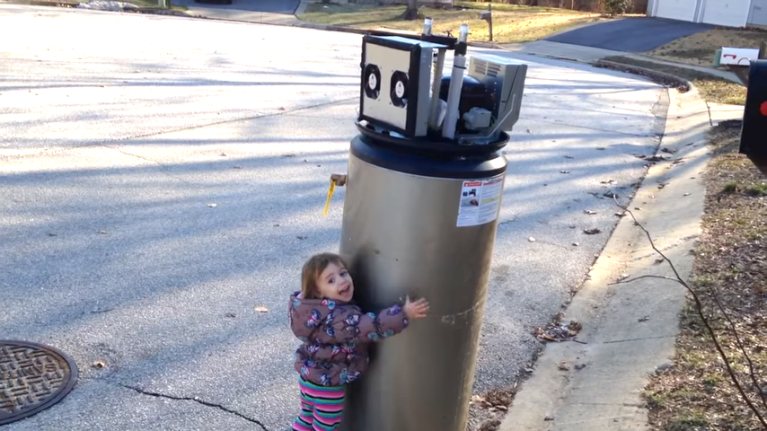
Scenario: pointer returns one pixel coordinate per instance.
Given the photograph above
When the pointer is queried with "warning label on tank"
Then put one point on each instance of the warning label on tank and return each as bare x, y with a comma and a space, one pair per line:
480, 200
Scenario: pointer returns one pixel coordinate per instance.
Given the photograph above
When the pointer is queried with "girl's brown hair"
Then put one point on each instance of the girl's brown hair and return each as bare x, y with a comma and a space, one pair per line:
313, 269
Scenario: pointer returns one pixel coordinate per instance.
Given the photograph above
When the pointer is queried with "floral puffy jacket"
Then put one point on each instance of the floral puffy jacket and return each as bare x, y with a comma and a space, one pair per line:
335, 337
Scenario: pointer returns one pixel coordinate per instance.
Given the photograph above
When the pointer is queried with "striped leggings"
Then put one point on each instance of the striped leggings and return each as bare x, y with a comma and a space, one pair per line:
321, 407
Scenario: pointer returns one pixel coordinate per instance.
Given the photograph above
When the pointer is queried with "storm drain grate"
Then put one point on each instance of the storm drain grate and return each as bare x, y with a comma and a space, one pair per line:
33, 377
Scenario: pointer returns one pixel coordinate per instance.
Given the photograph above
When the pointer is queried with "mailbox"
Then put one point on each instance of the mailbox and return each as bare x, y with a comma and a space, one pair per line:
485, 15
752, 138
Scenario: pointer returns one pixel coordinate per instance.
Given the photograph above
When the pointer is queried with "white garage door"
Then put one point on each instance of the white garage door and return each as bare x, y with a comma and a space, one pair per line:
683, 10
758, 12
732, 13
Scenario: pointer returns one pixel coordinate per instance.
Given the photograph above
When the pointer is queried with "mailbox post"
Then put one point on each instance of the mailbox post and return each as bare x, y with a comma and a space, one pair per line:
488, 16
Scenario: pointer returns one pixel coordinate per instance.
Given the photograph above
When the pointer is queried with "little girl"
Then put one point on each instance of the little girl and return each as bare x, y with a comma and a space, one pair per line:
335, 333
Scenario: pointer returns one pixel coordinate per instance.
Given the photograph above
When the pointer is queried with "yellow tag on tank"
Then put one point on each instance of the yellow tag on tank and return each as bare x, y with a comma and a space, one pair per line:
330, 196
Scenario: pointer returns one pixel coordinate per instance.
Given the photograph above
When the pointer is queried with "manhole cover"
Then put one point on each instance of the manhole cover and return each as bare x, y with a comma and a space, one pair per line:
33, 377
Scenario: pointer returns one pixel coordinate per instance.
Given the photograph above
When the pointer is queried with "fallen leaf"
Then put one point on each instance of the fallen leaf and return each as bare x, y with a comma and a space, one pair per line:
593, 231
669, 150
575, 244
262, 310
301, 237
475, 399
564, 367
644, 319
212, 205
102, 232
564, 172
231, 315
569, 157
236, 167
99, 364
531, 239
223, 154
589, 212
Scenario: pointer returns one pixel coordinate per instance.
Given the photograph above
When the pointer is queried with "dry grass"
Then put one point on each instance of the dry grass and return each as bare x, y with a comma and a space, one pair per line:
511, 23
699, 49
731, 258
711, 87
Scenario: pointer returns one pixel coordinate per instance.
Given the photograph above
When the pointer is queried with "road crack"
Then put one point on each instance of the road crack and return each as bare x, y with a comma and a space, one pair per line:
196, 400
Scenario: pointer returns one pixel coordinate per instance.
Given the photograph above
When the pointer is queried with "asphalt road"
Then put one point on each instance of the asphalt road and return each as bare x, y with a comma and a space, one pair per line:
630, 34
160, 178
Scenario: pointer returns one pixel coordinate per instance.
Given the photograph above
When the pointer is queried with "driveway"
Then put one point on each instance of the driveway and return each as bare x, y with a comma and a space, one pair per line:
161, 178
630, 34
257, 11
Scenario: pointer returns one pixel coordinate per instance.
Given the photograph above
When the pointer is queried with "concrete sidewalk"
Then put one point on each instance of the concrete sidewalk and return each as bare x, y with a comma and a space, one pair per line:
629, 329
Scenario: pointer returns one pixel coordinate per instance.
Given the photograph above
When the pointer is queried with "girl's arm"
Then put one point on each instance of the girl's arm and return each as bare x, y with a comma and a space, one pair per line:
366, 327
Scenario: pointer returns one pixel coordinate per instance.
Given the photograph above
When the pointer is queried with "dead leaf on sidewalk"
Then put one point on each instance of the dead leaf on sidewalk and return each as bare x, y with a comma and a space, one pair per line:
99, 364
261, 310
593, 231
557, 331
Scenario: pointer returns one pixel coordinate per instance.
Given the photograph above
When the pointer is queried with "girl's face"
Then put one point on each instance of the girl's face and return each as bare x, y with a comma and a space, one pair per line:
335, 283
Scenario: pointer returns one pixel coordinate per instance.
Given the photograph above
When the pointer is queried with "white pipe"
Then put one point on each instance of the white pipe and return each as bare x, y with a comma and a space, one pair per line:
456, 84
436, 85
427, 27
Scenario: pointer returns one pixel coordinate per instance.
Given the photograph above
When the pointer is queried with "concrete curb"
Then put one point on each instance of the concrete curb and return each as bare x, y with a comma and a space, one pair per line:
667, 79
629, 330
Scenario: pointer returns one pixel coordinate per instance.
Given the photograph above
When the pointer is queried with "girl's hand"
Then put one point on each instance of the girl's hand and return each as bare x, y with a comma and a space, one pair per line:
417, 309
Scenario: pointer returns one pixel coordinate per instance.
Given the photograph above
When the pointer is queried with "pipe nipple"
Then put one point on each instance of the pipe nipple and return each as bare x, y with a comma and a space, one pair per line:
427, 26
463, 36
